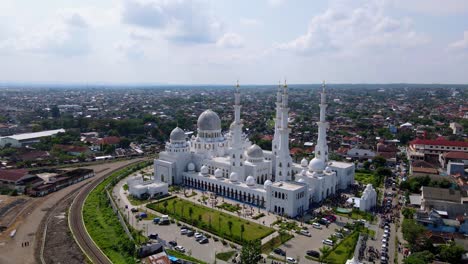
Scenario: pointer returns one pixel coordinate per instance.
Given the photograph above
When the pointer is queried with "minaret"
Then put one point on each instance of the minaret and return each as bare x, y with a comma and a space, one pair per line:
276, 137
284, 160
321, 150
237, 158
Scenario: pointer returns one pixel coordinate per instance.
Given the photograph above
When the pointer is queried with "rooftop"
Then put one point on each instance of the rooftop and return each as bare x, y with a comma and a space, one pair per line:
439, 142
13, 175
431, 193
25, 136
290, 186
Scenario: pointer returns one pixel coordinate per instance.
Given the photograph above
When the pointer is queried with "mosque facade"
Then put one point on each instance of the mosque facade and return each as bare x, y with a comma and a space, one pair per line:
231, 166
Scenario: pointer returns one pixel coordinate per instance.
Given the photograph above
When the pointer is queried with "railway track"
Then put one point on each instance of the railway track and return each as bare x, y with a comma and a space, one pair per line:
76, 223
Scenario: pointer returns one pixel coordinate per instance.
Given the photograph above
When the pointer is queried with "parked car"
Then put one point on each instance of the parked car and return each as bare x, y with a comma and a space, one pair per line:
280, 252
291, 260
190, 233
313, 253
316, 225
153, 236
198, 239
204, 240
198, 235
324, 221
339, 235
328, 242
180, 249
173, 243
305, 232
156, 220
134, 210
183, 231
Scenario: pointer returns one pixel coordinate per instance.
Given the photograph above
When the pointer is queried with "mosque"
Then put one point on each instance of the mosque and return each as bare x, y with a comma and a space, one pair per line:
231, 166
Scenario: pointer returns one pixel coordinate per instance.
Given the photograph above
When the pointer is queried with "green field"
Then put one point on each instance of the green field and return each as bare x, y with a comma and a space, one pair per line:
225, 256
211, 220
364, 178
344, 250
102, 223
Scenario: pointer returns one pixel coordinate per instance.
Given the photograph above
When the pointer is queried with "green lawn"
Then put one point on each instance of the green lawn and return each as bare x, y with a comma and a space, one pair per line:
179, 255
364, 178
135, 201
212, 220
229, 207
102, 223
225, 256
276, 242
344, 250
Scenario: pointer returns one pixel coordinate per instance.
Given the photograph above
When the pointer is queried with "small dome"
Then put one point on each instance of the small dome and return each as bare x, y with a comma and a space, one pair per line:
304, 162
316, 164
328, 170
218, 173
267, 183
250, 181
177, 134
233, 177
191, 167
204, 170
209, 120
255, 152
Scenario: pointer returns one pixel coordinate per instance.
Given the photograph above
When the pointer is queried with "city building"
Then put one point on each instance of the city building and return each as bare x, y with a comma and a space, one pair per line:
21, 140
230, 165
448, 202
141, 189
367, 201
429, 150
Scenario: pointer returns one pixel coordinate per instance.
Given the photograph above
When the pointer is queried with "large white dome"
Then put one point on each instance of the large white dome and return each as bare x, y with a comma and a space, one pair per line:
304, 162
177, 134
191, 167
204, 170
250, 181
218, 173
233, 177
255, 152
267, 183
316, 165
209, 120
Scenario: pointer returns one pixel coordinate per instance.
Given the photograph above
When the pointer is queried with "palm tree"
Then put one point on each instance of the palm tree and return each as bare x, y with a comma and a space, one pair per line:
165, 204
242, 231
230, 226
173, 206
190, 212
324, 251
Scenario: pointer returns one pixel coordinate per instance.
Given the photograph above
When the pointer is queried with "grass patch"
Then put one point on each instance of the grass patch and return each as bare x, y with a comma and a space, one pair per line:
229, 207
225, 256
193, 193
275, 242
125, 187
364, 178
211, 220
344, 250
286, 225
135, 201
103, 225
179, 255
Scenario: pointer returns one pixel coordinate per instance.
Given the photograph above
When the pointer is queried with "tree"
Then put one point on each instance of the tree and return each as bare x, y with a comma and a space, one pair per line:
251, 252
54, 111
242, 231
165, 204
379, 161
230, 226
422, 257
174, 206
324, 252
124, 143
190, 212
451, 253
412, 231
408, 213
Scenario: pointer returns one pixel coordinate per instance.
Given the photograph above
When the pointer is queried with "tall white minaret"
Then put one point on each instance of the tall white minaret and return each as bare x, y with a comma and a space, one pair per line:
284, 160
276, 137
321, 150
237, 158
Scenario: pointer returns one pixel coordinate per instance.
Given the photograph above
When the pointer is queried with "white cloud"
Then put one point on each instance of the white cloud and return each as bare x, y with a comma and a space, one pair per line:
250, 22
131, 49
65, 35
461, 44
431, 7
353, 31
182, 21
231, 40
276, 3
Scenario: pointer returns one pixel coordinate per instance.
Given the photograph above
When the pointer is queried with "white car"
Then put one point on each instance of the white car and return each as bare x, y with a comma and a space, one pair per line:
183, 231
328, 242
198, 235
386, 235
180, 249
305, 233
316, 225
291, 260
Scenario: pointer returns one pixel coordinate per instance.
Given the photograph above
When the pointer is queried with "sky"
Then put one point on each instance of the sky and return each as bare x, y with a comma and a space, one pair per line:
221, 41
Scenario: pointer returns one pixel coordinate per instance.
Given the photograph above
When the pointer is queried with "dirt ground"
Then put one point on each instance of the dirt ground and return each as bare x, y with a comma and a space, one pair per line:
10, 207
60, 247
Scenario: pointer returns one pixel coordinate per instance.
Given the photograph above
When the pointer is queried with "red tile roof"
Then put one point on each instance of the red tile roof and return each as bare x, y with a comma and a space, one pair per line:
439, 142
13, 175
110, 140
456, 155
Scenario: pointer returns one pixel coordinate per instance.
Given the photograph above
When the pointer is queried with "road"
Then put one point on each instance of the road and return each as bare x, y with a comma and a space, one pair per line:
77, 226
28, 225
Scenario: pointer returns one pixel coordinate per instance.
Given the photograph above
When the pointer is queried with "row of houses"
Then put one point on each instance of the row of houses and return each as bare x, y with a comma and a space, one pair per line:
41, 182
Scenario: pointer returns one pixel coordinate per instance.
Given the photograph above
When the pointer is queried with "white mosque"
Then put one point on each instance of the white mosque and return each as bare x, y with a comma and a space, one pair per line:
231, 166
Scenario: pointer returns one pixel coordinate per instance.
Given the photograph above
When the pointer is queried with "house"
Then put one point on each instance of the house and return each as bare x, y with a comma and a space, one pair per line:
54, 180
454, 157
449, 201
16, 179
360, 154
21, 140
456, 128
148, 250
422, 168
429, 150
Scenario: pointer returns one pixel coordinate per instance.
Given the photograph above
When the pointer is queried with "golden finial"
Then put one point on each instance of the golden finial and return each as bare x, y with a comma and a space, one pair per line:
285, 84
